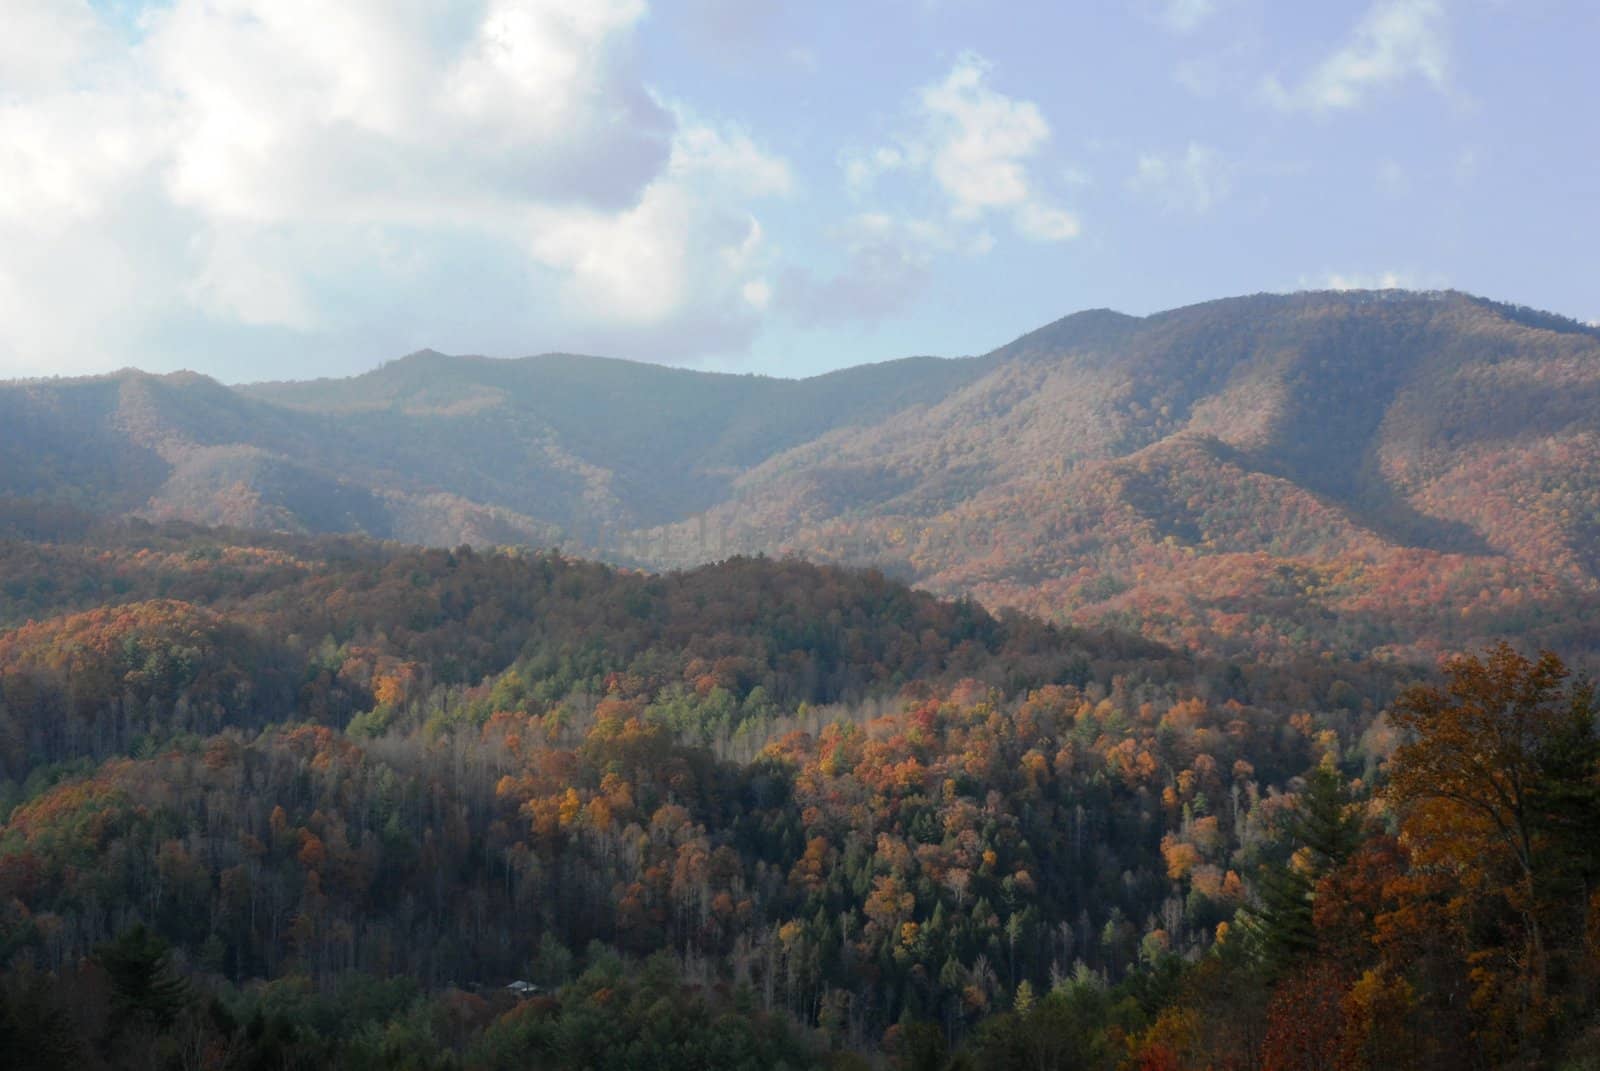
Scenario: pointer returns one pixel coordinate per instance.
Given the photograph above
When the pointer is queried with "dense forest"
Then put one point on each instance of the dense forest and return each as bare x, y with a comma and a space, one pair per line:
277, 801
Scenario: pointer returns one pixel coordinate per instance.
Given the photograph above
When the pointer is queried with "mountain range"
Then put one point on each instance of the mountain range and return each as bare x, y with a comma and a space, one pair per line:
1347, 472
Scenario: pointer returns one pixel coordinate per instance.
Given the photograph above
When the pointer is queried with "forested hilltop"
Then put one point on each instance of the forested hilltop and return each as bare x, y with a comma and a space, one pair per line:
1364, 473
292, 801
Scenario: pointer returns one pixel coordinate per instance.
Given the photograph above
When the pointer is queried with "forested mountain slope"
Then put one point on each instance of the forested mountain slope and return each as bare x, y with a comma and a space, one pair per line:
1350, 471
287, 801
301, 761
1359, 472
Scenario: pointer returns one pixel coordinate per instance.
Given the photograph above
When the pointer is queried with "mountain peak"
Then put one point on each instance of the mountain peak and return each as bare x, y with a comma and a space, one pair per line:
1088, 329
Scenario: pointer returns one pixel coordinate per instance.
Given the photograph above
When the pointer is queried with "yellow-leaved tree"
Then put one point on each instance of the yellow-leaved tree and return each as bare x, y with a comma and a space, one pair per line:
1496, 789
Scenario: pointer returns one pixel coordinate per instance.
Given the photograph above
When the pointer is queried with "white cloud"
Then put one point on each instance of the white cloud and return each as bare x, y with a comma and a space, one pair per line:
1193, 182
888, 261
1045, 224
45, 41
1379, 280
1395, 40
1219, 70
1202, 76
862, 171
243, 151
251, 279
970, 149
982, 140
757, 293
1393, 178
296, 107
728, 158
1183, 16
977, 146
680, 249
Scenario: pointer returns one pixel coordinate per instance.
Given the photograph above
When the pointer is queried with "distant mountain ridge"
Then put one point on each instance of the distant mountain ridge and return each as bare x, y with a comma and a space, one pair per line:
1348, 470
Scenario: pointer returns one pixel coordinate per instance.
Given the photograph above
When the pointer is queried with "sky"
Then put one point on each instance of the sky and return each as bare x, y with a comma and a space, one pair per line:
271, 189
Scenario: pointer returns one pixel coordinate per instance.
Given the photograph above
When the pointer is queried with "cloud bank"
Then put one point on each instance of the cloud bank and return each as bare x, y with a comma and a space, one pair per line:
257, 162
1394, 41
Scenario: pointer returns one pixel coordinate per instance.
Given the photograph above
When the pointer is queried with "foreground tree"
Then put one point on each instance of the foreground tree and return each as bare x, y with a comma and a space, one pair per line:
1497, 789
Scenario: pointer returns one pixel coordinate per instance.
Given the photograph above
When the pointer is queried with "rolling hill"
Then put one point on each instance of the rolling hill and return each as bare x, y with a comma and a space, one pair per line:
1344, 472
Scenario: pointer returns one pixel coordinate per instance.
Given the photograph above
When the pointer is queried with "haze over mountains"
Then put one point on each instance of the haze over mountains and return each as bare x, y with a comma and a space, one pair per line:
1335, 470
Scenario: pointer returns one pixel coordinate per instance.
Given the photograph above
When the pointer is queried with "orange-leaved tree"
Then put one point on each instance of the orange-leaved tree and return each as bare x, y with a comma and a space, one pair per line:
1496, 786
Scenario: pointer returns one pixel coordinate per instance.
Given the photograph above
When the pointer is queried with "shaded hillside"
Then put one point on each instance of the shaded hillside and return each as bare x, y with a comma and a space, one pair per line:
1424, 462
626, 444
432, 449
1352, 471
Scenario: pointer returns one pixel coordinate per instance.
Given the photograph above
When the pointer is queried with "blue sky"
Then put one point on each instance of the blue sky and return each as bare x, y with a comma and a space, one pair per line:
288, 188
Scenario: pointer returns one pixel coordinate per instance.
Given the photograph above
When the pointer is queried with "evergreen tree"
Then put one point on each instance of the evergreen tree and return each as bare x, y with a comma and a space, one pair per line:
1323, 831
145, 988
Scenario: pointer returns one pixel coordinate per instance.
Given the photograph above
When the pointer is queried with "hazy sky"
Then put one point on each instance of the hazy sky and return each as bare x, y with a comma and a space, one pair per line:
286, 188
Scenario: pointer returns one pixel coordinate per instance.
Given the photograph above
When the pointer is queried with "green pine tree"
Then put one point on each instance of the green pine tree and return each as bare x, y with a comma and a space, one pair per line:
145, 988
1279, 925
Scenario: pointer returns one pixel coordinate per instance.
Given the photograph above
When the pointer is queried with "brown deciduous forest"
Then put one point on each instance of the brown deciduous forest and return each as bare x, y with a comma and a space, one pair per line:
277, 801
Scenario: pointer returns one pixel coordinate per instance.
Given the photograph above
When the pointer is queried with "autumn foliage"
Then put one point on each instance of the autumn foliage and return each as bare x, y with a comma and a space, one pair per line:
806, 808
